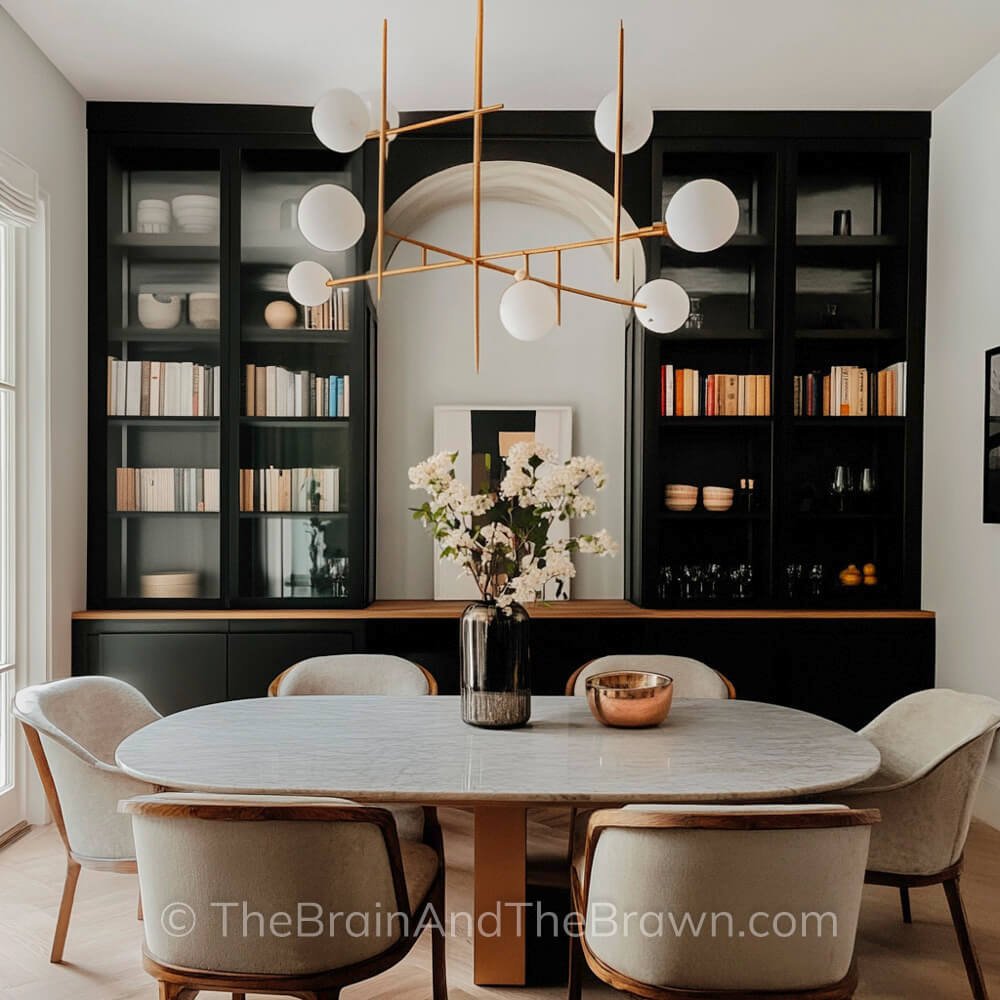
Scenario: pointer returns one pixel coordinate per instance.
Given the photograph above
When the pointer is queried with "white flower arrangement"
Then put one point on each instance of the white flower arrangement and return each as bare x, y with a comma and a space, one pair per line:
502, 540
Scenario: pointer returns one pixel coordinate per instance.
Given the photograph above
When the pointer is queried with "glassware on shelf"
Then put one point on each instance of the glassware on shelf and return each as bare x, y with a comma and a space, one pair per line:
817, 581
868, 486
841, 486
831, 316
713, 582
696, 318
742, 579
665, 584
794, 576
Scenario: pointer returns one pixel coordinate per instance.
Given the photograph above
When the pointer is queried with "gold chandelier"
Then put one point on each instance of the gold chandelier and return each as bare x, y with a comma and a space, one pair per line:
701, 216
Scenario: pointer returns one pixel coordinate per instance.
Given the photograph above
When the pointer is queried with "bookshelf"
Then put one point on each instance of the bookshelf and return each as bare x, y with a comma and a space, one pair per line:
789, 298
182, 297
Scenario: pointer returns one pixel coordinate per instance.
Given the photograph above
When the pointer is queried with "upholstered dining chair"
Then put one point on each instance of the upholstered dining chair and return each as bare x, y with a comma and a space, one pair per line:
934, 745
717, 880
362, 674
547, 861
73, 728
692, 678
348, 891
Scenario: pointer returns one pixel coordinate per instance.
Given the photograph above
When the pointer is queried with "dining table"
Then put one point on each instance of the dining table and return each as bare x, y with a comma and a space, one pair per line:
393, 750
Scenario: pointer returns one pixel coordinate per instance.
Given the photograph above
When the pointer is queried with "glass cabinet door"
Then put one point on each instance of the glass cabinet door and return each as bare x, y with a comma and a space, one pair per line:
301, 441
164, 390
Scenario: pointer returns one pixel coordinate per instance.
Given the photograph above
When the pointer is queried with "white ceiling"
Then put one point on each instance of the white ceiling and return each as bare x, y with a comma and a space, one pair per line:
797, 54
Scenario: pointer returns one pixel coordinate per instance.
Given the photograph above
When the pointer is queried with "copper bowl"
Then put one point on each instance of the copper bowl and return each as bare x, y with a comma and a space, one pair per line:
630, 699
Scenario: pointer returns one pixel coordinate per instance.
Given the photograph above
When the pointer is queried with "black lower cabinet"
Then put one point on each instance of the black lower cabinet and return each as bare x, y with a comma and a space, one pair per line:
846, 669
173, 670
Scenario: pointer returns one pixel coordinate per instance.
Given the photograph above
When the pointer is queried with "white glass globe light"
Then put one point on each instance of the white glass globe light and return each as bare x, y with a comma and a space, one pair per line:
528, 310
331, 218
307, 283
637, 122
666, 305
702, 215
341, 120
374, 102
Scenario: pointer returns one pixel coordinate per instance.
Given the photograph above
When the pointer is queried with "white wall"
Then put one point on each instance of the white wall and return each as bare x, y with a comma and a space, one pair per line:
425, 358
961, 579
42, 123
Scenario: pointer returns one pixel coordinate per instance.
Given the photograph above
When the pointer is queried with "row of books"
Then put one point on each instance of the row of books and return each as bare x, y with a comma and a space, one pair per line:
686, 392
163, 389
172, 490
273, 391
274, 490
851, 391
334, 314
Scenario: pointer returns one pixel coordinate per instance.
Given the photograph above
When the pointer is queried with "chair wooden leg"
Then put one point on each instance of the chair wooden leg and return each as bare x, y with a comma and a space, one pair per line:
175, 991
239, 996
439, 961
958, 918
575, 988
904, 902
138, 908
65, 910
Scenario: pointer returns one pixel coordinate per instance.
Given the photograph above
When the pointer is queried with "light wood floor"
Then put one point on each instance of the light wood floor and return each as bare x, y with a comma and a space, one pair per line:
919, 962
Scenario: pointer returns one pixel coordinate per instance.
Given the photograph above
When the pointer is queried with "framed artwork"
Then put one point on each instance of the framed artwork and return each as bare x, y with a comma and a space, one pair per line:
482, 436
991, 457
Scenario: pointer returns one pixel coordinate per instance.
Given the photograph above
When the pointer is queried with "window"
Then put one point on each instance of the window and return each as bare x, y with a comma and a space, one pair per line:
9, 245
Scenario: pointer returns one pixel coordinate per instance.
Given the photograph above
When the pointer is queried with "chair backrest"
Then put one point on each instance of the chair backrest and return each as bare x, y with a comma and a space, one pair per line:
217, 861
935, 745
73, 728
753, 898
692, 678
354, 673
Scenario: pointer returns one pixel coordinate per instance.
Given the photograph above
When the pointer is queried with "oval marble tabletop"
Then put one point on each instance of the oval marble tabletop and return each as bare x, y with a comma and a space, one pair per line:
418, 750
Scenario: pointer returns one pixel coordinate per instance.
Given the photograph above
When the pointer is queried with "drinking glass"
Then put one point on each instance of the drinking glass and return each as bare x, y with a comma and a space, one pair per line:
793, 580
665, 584
840, 486
816, 580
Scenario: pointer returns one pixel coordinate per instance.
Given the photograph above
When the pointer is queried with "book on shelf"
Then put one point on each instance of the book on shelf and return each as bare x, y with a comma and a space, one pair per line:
167, 490
273, 391
687, 392
851, 391
163, 389
277, 491
334, 314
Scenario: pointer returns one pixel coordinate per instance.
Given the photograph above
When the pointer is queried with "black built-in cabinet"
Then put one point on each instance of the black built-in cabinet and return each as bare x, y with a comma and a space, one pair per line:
785, 297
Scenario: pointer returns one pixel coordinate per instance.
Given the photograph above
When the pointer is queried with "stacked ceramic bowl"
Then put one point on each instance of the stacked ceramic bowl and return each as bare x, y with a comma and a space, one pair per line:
717, 498
152, 216
203, 310
175, 584
680, 497
196, 213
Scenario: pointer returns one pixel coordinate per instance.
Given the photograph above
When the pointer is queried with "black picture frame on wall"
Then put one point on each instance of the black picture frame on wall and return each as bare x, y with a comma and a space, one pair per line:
991, 439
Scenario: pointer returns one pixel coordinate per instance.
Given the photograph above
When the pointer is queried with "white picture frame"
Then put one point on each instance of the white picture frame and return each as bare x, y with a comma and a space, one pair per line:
453, 433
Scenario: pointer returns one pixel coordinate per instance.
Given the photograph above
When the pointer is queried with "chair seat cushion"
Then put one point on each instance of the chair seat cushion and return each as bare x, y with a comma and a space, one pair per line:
420, 867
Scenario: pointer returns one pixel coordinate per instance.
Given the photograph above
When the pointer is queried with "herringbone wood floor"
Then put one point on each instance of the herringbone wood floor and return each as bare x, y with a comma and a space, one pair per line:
919, 962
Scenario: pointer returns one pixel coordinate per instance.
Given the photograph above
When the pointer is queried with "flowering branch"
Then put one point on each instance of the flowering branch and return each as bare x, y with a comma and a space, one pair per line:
502, 540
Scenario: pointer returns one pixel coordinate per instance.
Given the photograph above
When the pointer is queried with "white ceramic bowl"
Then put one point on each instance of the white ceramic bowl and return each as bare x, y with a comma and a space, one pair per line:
157, 311
183, 201
203, 310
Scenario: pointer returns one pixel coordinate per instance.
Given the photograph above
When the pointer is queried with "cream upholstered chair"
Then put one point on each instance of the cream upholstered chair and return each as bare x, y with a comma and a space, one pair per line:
355, 673
692, 678
728, 874
362, 674
73, 728
347, 893
934, 745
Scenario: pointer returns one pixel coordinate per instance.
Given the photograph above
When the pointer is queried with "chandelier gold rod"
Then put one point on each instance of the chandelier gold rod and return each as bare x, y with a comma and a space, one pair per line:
656, 229
619, 113
382, 151
431, 122
477, 157
490, 265
558, 290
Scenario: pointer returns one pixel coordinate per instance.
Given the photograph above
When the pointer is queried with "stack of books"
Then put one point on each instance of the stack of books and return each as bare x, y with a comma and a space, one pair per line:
163, 389
170, 490
686, 392
334, 314
279, 491
851, 391
273, 391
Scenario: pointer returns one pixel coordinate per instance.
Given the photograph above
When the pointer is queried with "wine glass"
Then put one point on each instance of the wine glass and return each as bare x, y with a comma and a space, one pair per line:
816, 580
665, 584
840, 486
868, 485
